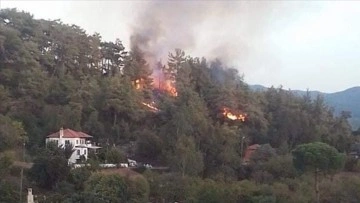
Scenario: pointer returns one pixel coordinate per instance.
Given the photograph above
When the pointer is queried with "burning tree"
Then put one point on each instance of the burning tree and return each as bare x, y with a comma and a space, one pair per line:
151, 106
163, 80
232, 116
139, 71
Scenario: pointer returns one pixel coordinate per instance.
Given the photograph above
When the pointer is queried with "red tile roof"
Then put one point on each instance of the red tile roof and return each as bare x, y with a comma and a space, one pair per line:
249, 150
68, 133
253, 147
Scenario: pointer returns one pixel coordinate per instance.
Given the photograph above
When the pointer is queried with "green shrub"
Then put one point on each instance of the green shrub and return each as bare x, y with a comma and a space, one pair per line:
15, 171
351, 164
115, 188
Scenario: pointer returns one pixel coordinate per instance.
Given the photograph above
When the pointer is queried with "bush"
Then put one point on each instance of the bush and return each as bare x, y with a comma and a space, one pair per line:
5, 164
148, 145
115, 156
8, 192
263, 153
140, 169
263, 199
262, 177
344, 188
15, 171
139, 189
115, 188
281, 167
351, 164
78, 176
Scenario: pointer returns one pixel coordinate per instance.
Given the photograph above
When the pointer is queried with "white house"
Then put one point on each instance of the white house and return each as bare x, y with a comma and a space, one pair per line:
79, 140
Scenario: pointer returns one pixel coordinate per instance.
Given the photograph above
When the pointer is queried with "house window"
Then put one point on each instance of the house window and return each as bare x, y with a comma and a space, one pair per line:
77, 141
67, 141
78, 152
84, 151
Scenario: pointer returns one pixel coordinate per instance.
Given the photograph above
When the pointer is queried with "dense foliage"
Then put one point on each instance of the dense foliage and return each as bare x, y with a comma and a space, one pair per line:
55, 75
317, 157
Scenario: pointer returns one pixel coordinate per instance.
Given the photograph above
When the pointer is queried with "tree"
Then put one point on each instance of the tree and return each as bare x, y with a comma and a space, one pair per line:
317, 157
11, 133
120, 100
50, 167
114, 155
139, 189
8, 192
148, 145
115, 188
187, 160
5, 163
138, 70
53, 74
263, 153
175, 63
112, 57
79, 176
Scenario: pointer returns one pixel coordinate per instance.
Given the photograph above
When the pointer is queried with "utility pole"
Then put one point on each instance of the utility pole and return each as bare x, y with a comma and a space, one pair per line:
242, 147
22, 172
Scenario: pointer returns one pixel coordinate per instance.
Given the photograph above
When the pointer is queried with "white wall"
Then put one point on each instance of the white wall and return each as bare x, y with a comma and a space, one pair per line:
75, 142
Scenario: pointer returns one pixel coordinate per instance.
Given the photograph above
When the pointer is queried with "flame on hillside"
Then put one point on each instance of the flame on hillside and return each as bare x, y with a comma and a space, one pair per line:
159, 83
138, 83
162, 83
228, 114
151, 106
170, 88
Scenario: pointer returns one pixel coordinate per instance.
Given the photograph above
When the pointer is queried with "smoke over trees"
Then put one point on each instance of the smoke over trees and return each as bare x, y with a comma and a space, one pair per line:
163, 26
54, 75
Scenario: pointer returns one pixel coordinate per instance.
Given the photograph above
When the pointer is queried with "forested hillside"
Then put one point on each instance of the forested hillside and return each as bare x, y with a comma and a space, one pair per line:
189, 113
346, 100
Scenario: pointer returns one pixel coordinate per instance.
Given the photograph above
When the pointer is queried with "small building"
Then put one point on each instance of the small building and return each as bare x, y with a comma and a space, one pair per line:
248, 152
79, 140
355, 150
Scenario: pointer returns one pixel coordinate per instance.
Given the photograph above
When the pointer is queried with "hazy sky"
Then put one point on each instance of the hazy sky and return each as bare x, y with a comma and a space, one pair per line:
299, 45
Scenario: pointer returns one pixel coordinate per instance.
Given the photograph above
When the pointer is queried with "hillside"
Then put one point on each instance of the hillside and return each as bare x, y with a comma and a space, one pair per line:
346, 100
194, 116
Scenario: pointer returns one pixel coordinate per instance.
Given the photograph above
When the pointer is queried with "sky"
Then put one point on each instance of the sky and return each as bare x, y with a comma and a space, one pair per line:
297, 44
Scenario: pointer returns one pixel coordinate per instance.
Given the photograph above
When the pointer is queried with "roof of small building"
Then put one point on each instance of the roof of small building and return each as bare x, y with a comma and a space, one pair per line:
249, 151
68, 133
253, 147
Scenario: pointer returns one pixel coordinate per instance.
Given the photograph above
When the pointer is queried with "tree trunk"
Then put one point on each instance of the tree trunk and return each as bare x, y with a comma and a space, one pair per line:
115, 119
317, 186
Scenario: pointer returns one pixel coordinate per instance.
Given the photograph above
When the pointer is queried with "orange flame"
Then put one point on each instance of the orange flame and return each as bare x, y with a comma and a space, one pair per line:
169, 87
163, 82
231, 116
137, 84
165, 85
151, 106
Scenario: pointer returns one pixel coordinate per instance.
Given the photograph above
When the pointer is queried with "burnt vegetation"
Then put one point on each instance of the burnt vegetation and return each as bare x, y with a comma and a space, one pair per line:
195, 116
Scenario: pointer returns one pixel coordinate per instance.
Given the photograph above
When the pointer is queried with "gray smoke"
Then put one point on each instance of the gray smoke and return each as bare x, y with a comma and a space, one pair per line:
227, 30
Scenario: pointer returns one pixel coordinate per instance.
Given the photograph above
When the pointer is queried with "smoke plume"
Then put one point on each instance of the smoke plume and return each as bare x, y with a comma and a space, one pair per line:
226, 30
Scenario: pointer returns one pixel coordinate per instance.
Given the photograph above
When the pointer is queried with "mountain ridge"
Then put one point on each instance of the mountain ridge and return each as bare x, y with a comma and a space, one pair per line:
345, 100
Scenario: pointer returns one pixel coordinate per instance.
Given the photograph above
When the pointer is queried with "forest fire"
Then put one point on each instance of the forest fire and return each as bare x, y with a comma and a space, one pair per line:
162, 83
169, 87
137, 84
166, 86
231, 116
151, 106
